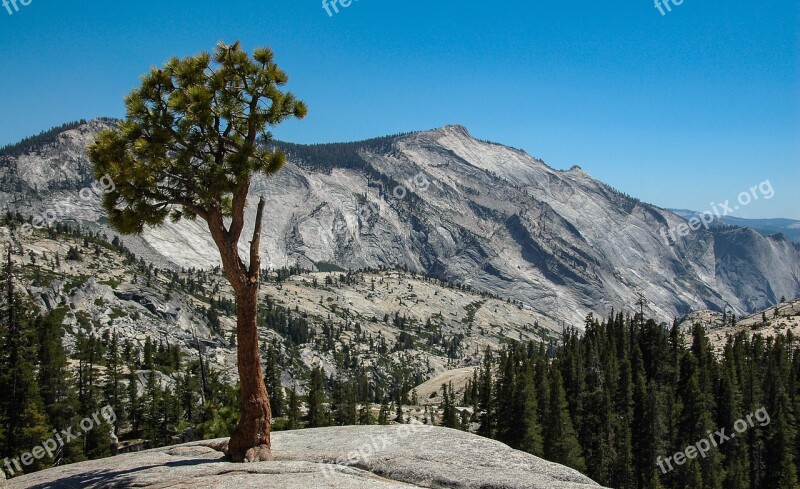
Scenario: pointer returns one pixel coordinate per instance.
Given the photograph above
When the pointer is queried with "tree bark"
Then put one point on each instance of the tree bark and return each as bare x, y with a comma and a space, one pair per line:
250, 441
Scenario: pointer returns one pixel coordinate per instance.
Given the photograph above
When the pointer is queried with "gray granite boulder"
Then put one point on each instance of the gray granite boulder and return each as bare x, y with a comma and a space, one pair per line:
349, 457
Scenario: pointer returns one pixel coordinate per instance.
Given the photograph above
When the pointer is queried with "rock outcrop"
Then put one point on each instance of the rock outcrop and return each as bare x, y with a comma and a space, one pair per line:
349, 457
445, 204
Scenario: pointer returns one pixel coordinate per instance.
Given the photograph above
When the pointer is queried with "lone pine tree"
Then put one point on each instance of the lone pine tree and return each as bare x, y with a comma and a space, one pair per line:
194, 136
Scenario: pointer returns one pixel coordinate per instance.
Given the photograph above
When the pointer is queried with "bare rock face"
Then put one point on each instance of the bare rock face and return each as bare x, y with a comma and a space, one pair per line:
348, 457
446, 204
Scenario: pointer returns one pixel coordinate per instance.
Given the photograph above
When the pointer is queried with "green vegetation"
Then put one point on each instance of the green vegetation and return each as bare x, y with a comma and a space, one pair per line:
112, 282
611, 401
45, 137
189, 148
328, 267
472, 309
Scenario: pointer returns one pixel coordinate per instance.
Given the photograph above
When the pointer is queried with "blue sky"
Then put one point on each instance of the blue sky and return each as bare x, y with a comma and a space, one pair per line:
680, 110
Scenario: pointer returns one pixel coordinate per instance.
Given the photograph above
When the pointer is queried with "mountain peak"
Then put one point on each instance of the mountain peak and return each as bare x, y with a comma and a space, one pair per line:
442, 203
454, 129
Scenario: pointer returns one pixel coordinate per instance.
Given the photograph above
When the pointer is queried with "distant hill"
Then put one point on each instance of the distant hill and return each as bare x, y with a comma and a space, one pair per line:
767, 227
32, 142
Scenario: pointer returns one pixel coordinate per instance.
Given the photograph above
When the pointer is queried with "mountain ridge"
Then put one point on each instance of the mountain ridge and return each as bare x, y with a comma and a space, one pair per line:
442, 203
767, 227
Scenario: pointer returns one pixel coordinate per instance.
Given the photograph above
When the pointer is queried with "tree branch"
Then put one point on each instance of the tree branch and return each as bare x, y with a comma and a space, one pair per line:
234, 268
255, 244
252, 129
237, 209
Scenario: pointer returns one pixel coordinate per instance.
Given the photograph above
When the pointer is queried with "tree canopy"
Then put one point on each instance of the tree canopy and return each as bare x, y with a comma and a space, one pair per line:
190, 142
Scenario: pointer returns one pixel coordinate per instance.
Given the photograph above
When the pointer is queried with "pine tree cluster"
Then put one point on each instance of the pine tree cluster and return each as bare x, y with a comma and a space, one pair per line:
610, 401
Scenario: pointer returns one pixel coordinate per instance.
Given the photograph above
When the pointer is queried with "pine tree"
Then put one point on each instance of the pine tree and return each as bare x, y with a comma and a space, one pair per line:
163, 166
365, 416
781, 470
505, 401
486, 401
134, 405
317, 416
151, 406
294, 410
24, 423
149, 354
560, 439
399, 415
344, 403
31, 428
531, 438
621, 473
662, 401
694, 477
272, 379
696, 417
113, 389
735, 451
383, 414
449, 418
188, 386
56, 382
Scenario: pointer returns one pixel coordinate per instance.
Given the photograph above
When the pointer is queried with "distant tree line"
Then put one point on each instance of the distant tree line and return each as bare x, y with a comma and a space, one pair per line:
45, 137
615, 400
609, 401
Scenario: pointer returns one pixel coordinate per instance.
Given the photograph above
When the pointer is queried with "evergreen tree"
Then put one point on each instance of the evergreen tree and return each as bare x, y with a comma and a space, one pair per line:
449, 418
24, 423
663, 394
383, 414
486, 402
294, 410
531, 438
56, 382
134, 405
317, 415
781, 470
189, 148
344, 403
151, 402
272, 379
621, 472
113, 389
506, 401
560, 439
365, 416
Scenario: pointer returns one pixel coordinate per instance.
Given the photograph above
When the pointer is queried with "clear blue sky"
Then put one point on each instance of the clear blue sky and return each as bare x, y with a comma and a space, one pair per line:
679, 109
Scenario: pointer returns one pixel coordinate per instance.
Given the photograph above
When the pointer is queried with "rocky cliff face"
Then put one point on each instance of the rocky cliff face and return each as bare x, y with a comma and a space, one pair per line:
444, 203
348, 457
107, 292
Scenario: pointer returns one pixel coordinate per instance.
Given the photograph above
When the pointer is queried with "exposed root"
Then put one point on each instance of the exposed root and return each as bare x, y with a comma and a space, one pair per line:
261, 453
220, 446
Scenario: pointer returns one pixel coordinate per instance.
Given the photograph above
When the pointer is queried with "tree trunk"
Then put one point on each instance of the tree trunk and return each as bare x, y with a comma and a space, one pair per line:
250, 441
